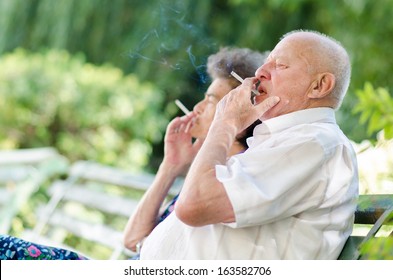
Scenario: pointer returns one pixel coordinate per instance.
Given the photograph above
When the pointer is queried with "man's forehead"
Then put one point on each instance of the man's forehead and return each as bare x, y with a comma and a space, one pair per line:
291, 46
279, 52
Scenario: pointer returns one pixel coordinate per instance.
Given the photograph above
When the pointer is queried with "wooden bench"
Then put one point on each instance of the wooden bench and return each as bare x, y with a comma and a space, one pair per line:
87, 212
375, 210
22, 171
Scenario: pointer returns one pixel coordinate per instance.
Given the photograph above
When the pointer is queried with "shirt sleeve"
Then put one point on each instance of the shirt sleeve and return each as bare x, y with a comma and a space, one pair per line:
268, 184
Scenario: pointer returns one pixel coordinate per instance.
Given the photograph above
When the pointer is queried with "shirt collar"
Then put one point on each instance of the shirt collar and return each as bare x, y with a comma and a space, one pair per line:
277, 124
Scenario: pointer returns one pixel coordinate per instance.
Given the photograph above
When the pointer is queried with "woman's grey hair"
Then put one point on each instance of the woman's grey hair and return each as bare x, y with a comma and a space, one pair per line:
243, 61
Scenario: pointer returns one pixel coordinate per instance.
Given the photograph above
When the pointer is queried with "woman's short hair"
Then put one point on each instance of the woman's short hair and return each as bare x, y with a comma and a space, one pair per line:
243, 61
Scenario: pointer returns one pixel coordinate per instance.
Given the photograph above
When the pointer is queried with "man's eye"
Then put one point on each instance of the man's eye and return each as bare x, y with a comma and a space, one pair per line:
281, 66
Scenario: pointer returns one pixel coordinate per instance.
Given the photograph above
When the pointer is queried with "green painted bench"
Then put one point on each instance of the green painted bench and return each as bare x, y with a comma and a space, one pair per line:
376, 210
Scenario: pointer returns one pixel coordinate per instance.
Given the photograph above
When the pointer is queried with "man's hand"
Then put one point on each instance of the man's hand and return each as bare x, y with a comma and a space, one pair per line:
237, 110
203, 199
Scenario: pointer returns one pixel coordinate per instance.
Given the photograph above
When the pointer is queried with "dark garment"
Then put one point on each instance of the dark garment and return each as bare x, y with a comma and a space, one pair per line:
168, 210
13, 248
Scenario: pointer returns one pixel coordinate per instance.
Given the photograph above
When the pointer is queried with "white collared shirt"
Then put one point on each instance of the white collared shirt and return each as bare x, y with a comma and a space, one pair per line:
293, 193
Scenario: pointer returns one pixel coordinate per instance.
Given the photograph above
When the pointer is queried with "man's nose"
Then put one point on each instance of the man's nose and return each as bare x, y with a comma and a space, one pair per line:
262, 72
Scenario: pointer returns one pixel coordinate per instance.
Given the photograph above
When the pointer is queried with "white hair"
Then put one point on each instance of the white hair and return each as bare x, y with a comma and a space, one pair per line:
329, 56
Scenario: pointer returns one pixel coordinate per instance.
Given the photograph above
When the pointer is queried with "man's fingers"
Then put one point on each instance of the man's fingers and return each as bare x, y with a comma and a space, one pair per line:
267, 104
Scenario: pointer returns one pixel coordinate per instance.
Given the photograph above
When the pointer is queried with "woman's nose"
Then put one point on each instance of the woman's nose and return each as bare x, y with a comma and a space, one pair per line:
199, 107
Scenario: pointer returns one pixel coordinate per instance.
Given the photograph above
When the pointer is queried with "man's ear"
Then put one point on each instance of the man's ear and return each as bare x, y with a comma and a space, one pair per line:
323, 85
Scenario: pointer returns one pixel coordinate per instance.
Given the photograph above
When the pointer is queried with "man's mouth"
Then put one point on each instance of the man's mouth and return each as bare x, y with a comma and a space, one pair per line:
261, 89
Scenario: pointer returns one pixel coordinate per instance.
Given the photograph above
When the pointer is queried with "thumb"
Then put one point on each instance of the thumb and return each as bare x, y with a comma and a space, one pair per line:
267, 104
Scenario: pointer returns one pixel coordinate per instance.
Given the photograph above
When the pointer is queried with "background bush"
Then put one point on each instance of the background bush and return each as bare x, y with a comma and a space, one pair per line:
85, 111
375, 107
167, 42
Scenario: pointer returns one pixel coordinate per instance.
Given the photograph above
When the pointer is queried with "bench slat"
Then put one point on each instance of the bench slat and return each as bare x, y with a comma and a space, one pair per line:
105, 192
98, 233
96, 172
95, 199
350, 248
371, 207
106, 174
4, 196
27, 156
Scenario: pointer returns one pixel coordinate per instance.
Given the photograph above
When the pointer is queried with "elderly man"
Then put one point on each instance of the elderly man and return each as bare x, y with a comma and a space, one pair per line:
291, 194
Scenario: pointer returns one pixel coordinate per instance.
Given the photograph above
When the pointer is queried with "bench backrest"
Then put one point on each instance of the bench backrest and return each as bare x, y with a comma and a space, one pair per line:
375, 210
92, 204
21, 173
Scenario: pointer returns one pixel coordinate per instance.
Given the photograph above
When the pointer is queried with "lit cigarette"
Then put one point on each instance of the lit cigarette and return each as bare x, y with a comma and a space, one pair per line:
240, 79
182, 107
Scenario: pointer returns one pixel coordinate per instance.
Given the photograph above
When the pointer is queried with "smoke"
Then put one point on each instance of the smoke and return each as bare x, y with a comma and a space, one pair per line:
200, 69
173, 41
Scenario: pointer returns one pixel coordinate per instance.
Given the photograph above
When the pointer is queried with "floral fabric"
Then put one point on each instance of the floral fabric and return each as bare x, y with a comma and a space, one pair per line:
13, 248
168, 209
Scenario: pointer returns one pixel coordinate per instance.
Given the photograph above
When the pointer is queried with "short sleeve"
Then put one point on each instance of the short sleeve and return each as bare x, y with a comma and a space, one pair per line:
268, 184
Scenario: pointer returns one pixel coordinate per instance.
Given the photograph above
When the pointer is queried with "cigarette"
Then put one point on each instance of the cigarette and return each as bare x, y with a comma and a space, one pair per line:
240, 79
182, 107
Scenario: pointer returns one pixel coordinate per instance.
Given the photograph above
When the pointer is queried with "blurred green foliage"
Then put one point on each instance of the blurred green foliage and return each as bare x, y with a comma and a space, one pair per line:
85, 111
167, 42
378, 249
375, 107
381, 246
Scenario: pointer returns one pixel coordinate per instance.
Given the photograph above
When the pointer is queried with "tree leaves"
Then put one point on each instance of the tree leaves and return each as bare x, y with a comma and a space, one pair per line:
375, 107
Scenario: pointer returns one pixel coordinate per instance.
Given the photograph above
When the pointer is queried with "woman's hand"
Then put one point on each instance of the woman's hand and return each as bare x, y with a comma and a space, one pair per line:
179, 148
